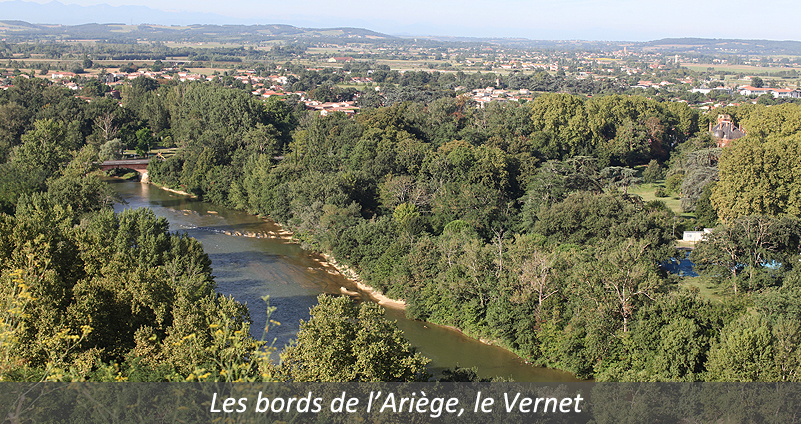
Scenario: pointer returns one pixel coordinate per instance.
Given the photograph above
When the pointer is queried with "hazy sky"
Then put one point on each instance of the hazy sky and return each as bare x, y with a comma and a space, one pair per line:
635, 20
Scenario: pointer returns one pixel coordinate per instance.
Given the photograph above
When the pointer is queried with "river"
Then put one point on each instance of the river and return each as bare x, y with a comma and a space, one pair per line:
249, 268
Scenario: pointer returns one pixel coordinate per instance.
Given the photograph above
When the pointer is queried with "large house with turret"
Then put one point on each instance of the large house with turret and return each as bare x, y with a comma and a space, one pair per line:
725, 131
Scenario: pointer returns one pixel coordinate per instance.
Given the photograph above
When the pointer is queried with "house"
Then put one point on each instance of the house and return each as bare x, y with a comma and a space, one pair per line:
703, 89
645, 85
348, 108
695, 236
754, 91
725, 131
62, 75
775, 92
281, 79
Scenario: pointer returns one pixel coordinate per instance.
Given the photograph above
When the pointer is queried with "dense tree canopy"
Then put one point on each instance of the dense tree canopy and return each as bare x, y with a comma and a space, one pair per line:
513, 222
113, 289
347, 342
759, 176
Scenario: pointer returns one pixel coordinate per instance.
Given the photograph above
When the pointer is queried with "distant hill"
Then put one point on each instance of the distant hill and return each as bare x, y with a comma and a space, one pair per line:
162, 27
526, 43
722, 46
121, 32
709, 46
55, 20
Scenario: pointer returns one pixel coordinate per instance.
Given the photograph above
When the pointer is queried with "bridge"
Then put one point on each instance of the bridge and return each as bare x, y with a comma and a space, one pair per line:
138, 165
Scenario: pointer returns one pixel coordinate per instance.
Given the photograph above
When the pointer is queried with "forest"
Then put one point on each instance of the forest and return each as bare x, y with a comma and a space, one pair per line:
514, 222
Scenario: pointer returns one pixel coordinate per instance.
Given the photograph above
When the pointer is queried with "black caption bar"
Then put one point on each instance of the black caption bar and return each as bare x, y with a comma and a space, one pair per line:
402, 402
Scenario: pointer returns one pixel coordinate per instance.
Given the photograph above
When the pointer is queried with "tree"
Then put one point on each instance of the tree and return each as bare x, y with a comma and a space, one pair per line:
757, 82
13, 121
145, 141
563, 118
617, 176
144, 84
621, 277
345, 342
111, 150
759, 176
744, 352
766, 99
105, 124
652, 172
694, 184
631, 142
584, 218
115, 289
95, 88
407, 218
537, 278
45, 147
704, 212
79, 186
76, 67
369, 99
742, 247
673, 183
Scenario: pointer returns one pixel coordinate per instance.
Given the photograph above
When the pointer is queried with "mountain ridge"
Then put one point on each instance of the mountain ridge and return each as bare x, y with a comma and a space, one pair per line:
164, 27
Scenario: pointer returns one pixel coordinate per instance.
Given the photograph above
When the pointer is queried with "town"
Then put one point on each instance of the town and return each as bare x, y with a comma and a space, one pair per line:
704, 77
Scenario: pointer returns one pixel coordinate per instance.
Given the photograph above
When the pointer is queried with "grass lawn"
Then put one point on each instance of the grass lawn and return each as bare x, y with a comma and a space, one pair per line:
166, 152
647, 192
705, 288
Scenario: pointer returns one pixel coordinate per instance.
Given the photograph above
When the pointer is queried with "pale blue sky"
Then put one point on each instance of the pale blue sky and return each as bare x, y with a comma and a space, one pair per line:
635, 20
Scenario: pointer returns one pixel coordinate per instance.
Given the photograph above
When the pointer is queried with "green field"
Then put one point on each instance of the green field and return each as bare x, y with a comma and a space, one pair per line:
746, 69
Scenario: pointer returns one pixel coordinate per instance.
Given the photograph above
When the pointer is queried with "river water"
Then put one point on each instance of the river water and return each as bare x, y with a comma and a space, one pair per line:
249, 268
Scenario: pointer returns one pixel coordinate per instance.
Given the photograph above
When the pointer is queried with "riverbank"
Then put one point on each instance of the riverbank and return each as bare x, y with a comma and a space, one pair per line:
374, 294
327, 261
280, 233
171, 190
378, 297
447, 345
249, 268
